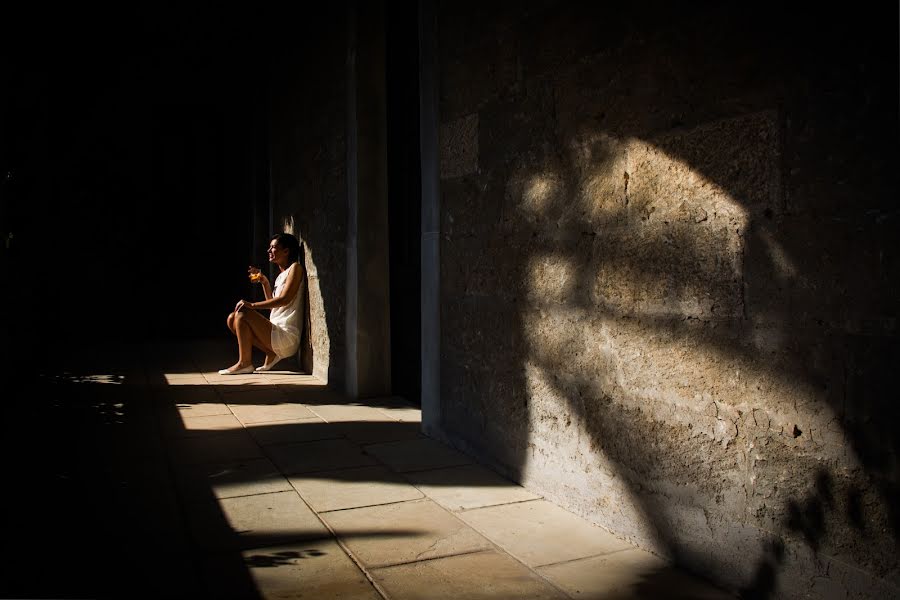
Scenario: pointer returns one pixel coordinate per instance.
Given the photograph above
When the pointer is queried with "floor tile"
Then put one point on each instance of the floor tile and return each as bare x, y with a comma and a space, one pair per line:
295, 430
313, 570
380, 431
244, 478
351, 488
188, 395
324, 455
205, 409
184, 379
250, 413
629, 574
397, 408
254, 522
469, 486
225, 575
541, 533
237, 385
200, 392
404, 532
174, 425
254, 395
407, 415
348, 412
416, 455
483, 575
229, 446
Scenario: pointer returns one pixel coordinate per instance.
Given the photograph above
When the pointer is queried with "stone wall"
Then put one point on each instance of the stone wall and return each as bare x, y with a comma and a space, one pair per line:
668, 278
307, 129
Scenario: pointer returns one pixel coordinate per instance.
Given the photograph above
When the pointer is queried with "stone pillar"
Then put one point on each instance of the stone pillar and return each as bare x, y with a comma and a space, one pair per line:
431, 220
368, 282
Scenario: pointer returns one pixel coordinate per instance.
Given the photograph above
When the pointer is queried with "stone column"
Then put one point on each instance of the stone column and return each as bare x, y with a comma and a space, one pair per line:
431, 221
368, 281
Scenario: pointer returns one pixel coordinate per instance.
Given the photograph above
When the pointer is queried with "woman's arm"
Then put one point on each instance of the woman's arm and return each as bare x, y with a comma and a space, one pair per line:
266, 286
288, 292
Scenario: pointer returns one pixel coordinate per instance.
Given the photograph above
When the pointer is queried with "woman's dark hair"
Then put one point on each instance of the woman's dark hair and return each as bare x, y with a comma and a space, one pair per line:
286, 240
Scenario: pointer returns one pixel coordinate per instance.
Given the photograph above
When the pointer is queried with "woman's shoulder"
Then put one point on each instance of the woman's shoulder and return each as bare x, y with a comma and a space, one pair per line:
290, 270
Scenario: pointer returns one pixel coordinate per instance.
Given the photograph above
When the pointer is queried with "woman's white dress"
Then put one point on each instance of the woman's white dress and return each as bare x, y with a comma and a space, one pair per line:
287, 320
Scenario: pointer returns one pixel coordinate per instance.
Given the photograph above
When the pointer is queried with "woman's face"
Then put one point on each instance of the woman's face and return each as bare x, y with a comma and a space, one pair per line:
276, 252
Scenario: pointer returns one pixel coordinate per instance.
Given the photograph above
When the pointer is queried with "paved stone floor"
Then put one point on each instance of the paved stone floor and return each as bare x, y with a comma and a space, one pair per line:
142, 472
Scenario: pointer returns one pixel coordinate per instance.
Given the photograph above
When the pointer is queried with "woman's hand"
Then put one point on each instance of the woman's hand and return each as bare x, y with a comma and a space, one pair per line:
241, 305
256, 275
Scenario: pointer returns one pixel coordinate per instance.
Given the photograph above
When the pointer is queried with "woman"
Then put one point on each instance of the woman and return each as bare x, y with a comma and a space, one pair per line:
280, 336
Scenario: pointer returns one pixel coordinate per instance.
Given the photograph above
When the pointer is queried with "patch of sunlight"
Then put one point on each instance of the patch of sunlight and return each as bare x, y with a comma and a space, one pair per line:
782, 264
662, 187
552, 277
321, 340
185, 379
104, 379
668, 240
101, 379
632, 177
539, 191
287, 225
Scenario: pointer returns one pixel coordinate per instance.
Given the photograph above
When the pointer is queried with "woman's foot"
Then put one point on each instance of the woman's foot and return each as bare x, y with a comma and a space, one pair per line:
237, 369
270, 362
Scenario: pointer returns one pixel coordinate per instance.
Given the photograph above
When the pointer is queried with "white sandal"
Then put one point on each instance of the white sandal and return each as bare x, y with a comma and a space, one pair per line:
268, 367
241, 371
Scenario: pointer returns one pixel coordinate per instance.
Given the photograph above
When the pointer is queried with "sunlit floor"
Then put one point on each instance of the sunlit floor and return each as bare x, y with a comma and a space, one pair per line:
142, 472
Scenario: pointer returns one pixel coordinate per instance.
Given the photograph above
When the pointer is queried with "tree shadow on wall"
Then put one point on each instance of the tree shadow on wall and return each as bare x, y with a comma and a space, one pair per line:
739, 264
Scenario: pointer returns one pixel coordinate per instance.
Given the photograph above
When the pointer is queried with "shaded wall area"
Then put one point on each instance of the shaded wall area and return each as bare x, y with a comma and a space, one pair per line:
307, 132
667, 278
350, 187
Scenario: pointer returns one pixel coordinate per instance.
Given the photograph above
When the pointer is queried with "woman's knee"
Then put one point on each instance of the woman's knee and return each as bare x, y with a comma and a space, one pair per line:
230, 322
237, 318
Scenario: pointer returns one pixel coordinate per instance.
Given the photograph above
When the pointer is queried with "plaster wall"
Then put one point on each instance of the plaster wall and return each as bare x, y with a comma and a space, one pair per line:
668, 295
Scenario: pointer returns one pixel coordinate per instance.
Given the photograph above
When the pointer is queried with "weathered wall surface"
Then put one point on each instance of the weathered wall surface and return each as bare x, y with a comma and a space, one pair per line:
307, 140
669, 291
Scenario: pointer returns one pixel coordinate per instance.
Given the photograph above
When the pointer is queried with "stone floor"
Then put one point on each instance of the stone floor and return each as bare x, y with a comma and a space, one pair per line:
142, 472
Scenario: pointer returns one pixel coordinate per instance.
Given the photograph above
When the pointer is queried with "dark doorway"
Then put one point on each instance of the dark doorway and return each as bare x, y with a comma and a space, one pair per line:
404, 192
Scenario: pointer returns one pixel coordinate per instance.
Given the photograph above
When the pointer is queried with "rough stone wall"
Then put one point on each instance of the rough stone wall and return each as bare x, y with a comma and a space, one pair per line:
668, 278
308, 145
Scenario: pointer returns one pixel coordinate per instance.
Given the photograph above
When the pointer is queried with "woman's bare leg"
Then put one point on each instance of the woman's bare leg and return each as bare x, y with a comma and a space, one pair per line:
251, 329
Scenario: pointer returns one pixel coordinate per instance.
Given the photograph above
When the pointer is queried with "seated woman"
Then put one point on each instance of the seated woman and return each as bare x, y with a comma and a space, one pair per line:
279, 336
